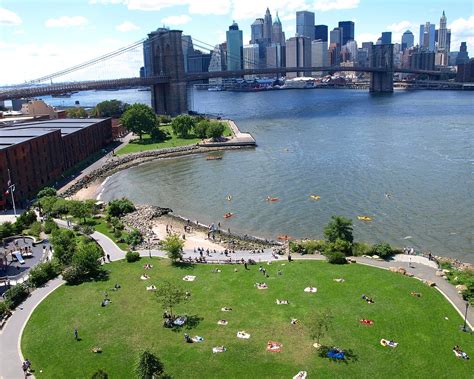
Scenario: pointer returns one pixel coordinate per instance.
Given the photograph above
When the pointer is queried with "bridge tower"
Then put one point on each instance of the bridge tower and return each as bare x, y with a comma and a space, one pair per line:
382, 58
167, 59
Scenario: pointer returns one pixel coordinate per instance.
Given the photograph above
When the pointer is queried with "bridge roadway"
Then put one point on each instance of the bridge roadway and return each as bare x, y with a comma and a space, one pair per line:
25, 91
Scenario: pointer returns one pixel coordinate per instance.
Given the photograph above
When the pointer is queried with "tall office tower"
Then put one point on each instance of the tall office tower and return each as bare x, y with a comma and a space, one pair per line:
218, 62
267, 27
278, 35
427, 36
408, 40
351, 49
463, 56
275, 55
362, 57
234, 47
319, 55
256, 31
251, 58
386, 38
298, 54
335, 44
347, 31
443, 34
321, 32
305, 24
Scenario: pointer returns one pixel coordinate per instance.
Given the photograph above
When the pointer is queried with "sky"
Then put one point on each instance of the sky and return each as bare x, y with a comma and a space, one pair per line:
39, 37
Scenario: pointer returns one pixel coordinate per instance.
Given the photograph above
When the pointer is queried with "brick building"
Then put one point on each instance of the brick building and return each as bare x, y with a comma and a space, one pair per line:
37, 153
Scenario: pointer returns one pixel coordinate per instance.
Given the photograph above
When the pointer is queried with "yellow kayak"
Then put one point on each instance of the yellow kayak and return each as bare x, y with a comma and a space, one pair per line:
315, 197
364, 218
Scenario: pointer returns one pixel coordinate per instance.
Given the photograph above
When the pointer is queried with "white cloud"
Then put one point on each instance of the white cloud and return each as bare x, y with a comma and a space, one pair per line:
66, 22
176, 20
288, 17
9, 18
126, 26
367, 37
329, 5
250, 9
400, 27
220, 7
462, 30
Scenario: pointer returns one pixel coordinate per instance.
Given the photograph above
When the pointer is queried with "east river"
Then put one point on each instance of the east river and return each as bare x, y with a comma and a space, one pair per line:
406, 160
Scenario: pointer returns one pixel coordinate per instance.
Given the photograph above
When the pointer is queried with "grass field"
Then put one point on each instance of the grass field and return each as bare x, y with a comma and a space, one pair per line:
134, 321
146, 143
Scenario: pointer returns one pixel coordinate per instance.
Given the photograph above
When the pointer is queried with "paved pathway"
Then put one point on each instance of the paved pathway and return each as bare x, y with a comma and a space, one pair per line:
10, 354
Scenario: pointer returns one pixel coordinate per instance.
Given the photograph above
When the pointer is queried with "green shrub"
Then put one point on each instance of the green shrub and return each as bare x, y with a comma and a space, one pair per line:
35, 229
307, 246
340, 246
117, 233
361, 248
336, 257
73, 275
132, 256
3, 308
15, 295
7, 229
46, 191
120, 207
49, 226
42, 273
134, 238
383, 250
100, 374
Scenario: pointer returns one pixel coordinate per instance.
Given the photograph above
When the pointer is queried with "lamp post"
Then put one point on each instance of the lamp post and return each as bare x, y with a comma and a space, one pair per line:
11, 189
464, 328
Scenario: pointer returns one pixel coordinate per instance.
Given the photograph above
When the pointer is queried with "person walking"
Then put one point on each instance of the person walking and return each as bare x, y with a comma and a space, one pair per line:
76, 334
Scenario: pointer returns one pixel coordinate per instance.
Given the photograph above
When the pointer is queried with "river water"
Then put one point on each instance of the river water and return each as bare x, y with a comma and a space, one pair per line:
406, 160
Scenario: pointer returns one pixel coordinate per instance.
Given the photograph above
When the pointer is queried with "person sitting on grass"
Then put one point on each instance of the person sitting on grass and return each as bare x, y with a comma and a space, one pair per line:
369, 300
459, 353
187, 339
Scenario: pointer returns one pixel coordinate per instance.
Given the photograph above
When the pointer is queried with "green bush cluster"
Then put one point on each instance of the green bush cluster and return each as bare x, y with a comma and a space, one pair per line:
16, 295
461, 277
132, 256
307, 246
35, 229
42, 273
24, 221
120, 207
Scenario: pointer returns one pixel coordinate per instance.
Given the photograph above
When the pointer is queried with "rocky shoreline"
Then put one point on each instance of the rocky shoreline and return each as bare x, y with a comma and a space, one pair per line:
145, 216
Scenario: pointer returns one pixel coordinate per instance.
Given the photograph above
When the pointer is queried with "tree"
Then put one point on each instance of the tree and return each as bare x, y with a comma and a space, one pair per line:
76, 113
200, 128
110, 108
339, 228
134, 238
139, 119
164, 119
170, 295
64, 245
80, 209
87, 258
173, 245
149, 366
215, 130
120, 207
182, 125
338, 246
318, 323
46, 191
383, 250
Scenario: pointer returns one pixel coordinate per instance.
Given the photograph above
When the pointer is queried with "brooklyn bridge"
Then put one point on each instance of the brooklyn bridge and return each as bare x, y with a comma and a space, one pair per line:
169, 82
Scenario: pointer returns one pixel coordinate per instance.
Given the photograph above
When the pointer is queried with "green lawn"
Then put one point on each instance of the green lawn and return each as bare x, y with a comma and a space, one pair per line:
133, 321
146, 143
100, 225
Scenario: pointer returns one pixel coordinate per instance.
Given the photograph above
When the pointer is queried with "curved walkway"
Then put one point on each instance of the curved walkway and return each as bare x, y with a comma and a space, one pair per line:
10, 337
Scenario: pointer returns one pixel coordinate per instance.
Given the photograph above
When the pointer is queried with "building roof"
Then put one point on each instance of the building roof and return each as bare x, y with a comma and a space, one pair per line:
11, 135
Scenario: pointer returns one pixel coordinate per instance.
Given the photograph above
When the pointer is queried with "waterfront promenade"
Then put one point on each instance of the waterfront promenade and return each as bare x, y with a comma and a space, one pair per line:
10, 337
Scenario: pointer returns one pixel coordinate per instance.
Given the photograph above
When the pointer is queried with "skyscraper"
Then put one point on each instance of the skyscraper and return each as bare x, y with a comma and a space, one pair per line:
335, 44
427, 36
347, 31
256, 31
463, 56
319, 55
275, 55
305, 24
278, 35
234, 47
251, 58
386, 38
267, 27
443, 35
298, 54
408, 40
321, 32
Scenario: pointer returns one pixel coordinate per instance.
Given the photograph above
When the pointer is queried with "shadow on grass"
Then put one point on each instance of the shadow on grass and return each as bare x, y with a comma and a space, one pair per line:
183, 265
192, 322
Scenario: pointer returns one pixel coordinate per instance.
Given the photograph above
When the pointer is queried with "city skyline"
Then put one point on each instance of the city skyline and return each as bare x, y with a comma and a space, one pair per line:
69, 36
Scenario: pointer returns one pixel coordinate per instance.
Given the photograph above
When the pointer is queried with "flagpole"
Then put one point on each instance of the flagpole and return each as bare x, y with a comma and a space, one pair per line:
11, 188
